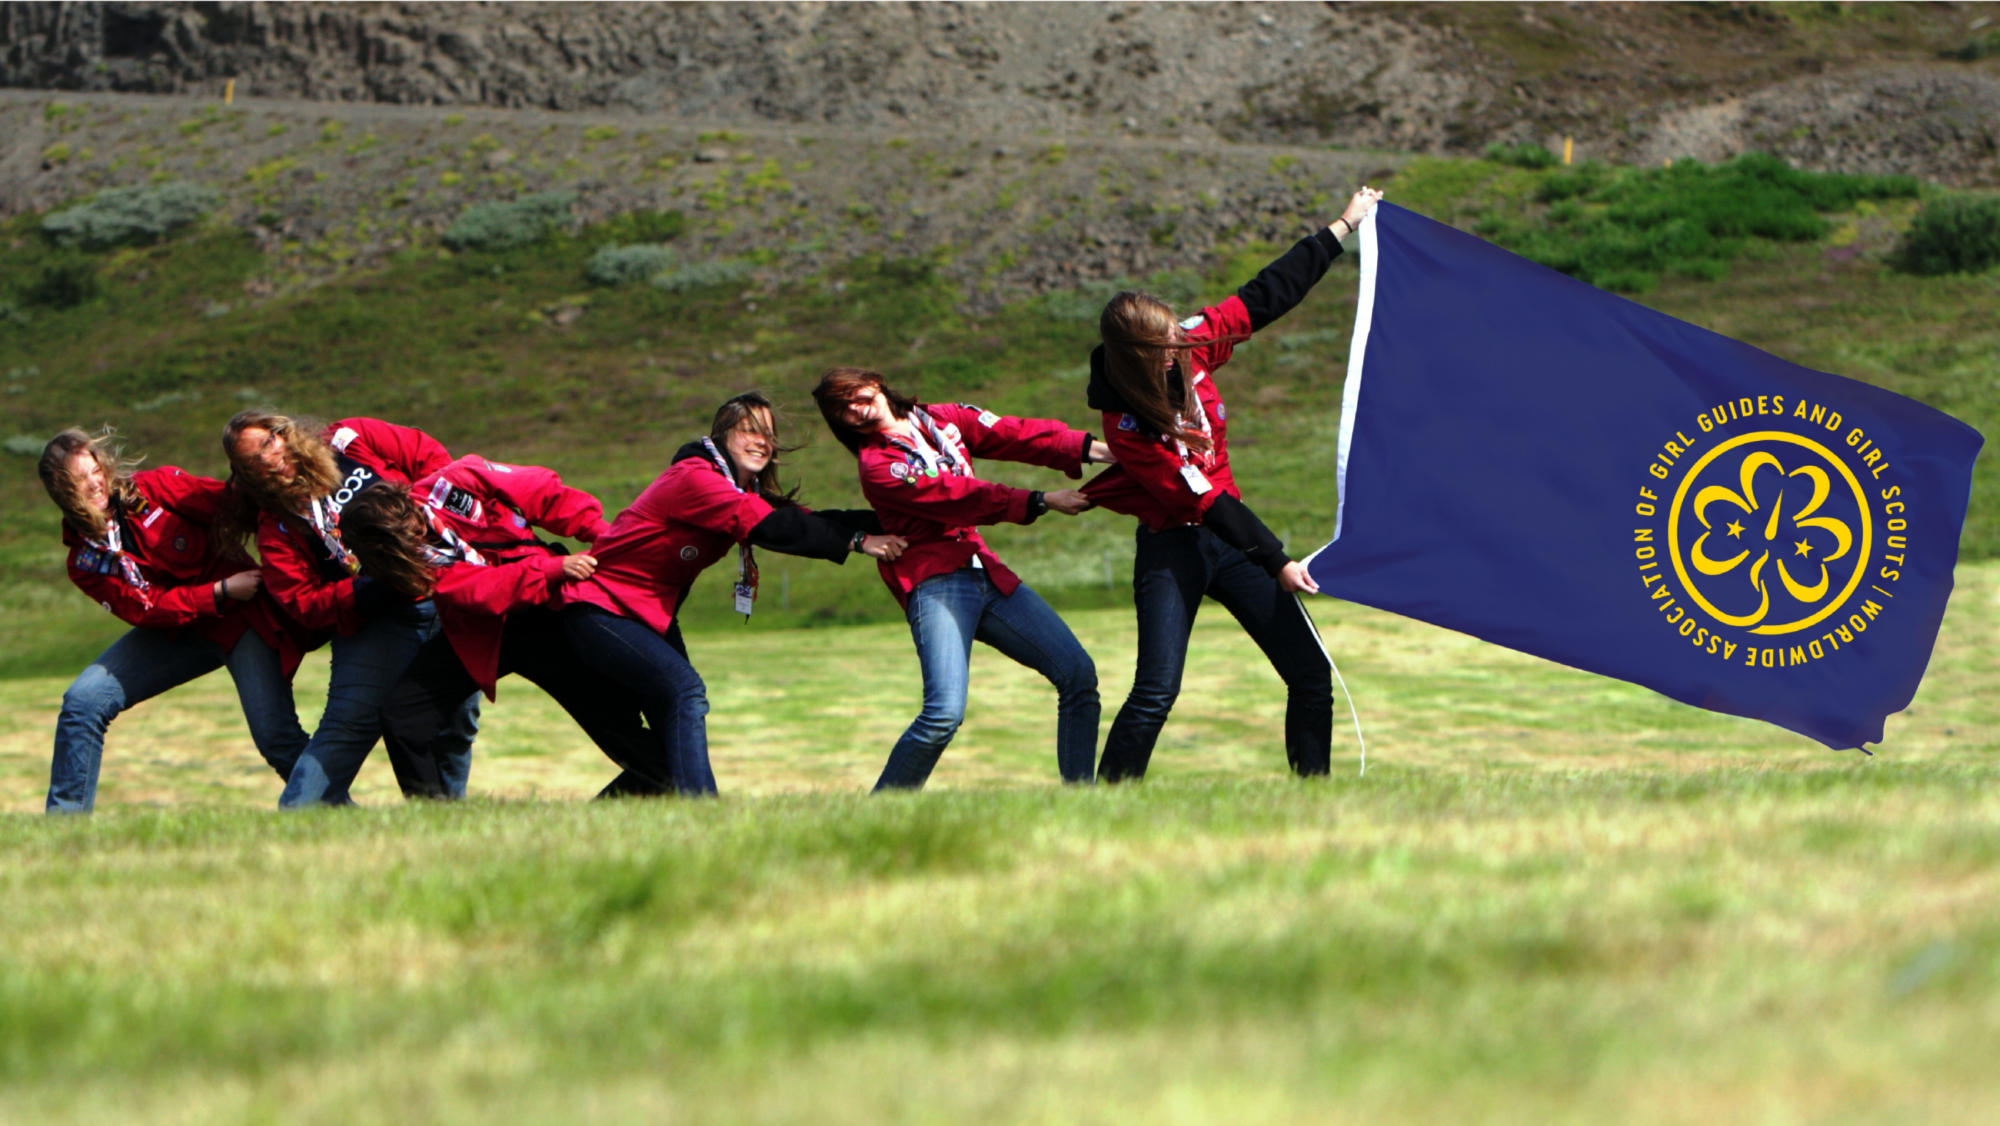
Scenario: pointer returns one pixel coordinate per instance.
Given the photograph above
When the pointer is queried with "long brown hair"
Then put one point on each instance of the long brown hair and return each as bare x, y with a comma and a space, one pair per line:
741, 411
839, 385
67, 491
317, 473
1148, 368
384, 529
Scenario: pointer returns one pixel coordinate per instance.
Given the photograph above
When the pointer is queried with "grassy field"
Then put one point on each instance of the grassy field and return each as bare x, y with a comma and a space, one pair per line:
1551, 898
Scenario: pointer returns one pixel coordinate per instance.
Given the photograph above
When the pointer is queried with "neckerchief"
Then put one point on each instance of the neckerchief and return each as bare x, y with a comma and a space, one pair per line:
450, 548
324, 516
746, 560
112, 544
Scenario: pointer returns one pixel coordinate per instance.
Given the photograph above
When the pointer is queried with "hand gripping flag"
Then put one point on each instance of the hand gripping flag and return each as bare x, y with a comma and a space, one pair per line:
1546, 466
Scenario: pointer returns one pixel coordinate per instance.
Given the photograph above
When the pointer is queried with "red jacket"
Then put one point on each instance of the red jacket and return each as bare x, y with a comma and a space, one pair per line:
166, 535
491, 506
689, 517
295, 568
935, 504
1147, 481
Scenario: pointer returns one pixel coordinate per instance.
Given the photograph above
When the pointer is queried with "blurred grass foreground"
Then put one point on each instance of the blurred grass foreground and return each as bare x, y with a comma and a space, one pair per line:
1552, 898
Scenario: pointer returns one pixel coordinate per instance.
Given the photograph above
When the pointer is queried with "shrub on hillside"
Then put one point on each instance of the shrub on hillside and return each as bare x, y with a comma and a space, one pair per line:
1521, 156
1624, 228
123, 216
63, 285
1958, 235
703, 274
616, 265
637, 227
504, 226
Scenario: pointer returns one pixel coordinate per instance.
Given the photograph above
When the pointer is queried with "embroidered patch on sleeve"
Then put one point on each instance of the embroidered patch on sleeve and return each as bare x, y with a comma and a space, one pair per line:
1194, 322
1127, 422
342, 437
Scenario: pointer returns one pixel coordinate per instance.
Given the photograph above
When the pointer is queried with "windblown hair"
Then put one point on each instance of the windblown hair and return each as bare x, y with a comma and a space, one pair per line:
740, 412
317, 474
385, 530
839, 385
1147, 368
67, 491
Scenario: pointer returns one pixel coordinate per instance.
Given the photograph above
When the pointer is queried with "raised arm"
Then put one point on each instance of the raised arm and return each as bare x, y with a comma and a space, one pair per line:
1280, 286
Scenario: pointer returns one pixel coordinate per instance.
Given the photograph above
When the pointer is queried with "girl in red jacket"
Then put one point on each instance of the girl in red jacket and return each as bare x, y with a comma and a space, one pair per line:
916, 469
1154, 379
462, 537
294, 480
141, 546
720, 492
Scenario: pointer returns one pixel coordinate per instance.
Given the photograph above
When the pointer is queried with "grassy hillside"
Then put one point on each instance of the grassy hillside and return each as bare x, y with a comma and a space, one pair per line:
516, 355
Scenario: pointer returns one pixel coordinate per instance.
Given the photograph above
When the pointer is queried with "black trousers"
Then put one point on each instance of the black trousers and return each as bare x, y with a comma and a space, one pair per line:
1171, 571
536, 648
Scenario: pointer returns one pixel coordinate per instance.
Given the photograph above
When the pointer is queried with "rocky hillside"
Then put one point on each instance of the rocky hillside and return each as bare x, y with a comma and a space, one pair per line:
1855, 87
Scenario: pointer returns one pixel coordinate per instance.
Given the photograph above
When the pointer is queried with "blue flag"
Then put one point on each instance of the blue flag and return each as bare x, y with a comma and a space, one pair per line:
1541, 464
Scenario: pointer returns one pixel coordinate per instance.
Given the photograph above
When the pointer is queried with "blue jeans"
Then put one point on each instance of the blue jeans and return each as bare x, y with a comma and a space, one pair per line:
366, 667
1171, 571
145, 663
655, 669
947, 614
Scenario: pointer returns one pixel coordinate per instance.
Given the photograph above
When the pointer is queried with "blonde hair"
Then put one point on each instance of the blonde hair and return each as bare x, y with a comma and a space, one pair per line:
317, 473
67, 491
1138, 333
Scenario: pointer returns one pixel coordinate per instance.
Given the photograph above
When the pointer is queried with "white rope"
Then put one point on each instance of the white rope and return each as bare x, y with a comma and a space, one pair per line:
1351, 712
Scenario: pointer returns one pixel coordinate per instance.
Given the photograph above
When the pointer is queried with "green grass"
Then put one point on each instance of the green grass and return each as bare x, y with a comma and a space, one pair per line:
1552, 898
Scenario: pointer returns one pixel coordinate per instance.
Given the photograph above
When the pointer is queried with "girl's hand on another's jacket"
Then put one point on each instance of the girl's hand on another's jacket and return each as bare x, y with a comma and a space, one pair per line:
885, 548
243, 585
1069, 502
576, 568
1295, 579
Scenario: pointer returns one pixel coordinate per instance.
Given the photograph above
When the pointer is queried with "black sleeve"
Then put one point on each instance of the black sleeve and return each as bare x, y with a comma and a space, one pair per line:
1284, 283
853, 519
794, 531
1237, 526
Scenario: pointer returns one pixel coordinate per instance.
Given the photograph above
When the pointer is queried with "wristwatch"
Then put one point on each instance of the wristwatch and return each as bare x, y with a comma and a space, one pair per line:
859, 542
1038, 505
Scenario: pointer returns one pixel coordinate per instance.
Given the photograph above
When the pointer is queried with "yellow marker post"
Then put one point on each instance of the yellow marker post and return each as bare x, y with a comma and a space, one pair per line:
229, 92
1567, 142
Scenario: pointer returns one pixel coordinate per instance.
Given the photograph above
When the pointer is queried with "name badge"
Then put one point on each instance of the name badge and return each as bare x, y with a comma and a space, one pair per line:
1195, 480
746, 599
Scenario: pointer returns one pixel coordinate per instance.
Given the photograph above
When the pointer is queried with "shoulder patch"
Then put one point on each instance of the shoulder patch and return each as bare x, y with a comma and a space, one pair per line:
1194, 322
342, 437
1127, 422
497, 467
1221, 412
987, 419
899, 470
690, 552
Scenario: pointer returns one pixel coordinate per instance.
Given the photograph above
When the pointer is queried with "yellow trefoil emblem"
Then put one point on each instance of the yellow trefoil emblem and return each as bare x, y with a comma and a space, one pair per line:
1764, 516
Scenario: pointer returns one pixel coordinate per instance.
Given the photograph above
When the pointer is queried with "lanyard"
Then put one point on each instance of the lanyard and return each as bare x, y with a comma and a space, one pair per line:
746, 560
113, 545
